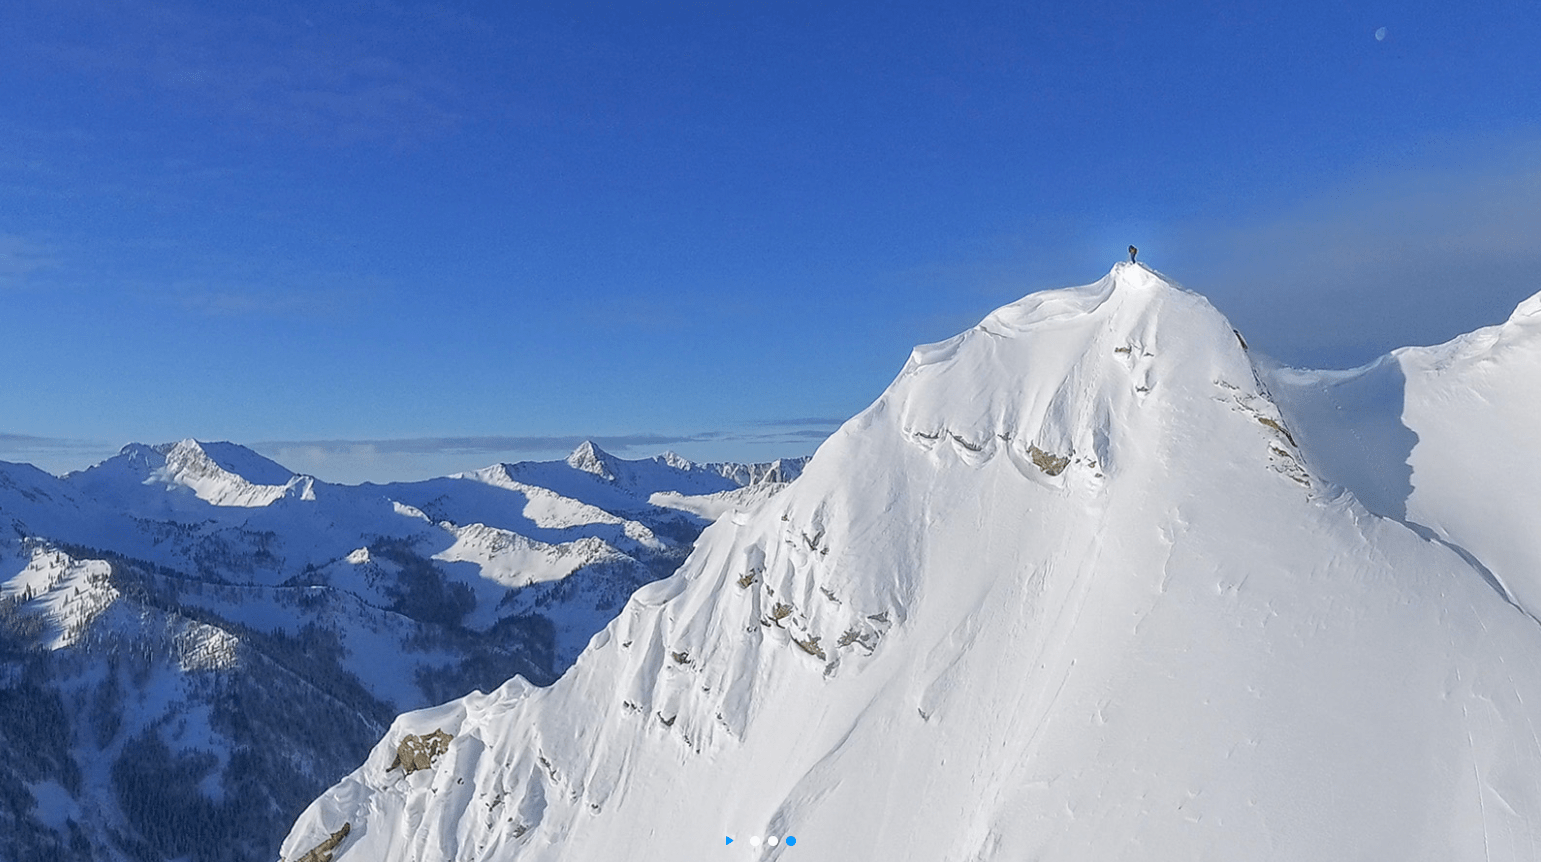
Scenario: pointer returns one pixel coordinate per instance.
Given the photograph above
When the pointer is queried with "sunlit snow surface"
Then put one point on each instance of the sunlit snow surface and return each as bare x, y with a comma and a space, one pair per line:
1068, 590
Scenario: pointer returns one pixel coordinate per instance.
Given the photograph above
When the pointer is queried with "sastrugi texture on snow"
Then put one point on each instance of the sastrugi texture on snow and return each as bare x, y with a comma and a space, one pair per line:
1076, 586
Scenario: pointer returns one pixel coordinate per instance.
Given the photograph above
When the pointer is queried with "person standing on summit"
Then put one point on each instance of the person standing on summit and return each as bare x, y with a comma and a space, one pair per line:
1132, 252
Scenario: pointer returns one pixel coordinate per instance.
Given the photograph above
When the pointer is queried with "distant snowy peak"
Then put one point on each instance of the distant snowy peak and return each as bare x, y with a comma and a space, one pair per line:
241, 461
745, 475
220, 473
669, 472
779, 470
675, 460
210, 471
591, 459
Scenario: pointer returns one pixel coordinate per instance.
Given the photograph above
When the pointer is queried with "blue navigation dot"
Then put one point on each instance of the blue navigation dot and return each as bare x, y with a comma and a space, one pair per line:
791, 840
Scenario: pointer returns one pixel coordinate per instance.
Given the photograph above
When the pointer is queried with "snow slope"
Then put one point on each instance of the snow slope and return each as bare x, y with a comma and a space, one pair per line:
1067, 590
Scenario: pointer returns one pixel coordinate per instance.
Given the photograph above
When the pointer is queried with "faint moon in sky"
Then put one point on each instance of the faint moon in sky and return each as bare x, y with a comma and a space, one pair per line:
1380, 35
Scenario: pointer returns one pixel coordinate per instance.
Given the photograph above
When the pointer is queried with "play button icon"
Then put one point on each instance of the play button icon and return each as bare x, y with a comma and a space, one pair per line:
730, 839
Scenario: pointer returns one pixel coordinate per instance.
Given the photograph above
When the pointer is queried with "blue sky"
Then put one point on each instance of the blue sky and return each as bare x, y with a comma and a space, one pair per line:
391, 240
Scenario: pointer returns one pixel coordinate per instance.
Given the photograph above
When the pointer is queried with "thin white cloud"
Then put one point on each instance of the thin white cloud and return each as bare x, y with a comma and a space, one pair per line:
816, 421
53, 454
354, 461
284, 297
286, 70
492, 445
33, 443
22, 258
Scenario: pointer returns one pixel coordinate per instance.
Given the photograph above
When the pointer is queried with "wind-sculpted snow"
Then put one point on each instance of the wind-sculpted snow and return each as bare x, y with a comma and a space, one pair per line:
1067, 590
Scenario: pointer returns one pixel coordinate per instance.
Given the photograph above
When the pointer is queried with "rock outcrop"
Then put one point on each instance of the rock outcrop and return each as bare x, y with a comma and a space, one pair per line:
418, 752
323, 852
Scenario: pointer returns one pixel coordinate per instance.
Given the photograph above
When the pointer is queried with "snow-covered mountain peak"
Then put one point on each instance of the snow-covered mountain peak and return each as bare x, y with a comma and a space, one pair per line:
675, 460
221, 474
1062, 376
1125, 282
942, 602
236, 460
143, 454
225, 474
591, 459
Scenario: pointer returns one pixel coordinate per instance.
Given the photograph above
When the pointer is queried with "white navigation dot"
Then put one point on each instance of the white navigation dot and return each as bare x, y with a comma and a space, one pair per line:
771, 841
755, 841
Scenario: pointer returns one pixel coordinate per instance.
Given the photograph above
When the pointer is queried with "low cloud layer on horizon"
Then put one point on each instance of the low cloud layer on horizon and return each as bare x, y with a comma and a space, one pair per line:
421, 457
33, 443
490, 445
390, 459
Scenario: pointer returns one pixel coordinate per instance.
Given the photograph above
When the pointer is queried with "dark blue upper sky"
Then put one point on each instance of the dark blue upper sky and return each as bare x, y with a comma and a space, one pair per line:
380, 240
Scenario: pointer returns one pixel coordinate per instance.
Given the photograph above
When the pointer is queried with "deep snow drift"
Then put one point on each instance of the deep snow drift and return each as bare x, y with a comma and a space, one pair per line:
1070, 589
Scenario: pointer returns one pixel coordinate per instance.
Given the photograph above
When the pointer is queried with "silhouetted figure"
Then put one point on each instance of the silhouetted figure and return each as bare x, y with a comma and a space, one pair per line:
1132, 252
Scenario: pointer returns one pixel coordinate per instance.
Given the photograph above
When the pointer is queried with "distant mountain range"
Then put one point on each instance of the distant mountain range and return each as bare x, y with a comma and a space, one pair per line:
196, 641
